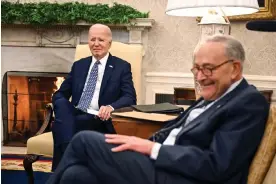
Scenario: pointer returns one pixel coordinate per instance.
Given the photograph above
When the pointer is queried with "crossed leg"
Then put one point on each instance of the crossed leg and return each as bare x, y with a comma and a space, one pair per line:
88, 153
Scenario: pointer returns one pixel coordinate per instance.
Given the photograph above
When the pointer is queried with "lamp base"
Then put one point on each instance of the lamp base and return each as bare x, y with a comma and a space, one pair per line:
213, 24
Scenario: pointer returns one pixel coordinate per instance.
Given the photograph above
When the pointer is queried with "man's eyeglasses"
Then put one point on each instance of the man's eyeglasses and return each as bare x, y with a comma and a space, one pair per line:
208, 71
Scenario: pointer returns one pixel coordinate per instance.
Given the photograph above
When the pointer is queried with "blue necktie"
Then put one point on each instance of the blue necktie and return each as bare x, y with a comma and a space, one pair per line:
87, 95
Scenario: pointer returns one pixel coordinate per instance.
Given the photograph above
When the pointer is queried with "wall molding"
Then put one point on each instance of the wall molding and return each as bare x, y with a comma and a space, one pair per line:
164, 83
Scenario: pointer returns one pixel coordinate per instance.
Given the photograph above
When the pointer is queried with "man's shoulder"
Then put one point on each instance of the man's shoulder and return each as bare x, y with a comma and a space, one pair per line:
244, 89
118, 60
243, 95
85, 59
251, 89
251, 95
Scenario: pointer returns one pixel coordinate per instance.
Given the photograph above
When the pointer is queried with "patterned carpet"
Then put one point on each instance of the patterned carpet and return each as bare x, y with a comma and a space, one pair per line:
15, 162
12, 169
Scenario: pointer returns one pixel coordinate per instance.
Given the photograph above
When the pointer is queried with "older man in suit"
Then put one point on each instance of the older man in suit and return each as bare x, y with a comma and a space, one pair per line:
213, 141
99, 83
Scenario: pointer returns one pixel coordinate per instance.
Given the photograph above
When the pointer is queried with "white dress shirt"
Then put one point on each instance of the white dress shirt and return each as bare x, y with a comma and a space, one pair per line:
192, 115
94, 105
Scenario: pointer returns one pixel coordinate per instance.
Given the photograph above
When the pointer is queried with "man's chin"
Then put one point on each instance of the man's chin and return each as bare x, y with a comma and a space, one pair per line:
96, 55
206, 95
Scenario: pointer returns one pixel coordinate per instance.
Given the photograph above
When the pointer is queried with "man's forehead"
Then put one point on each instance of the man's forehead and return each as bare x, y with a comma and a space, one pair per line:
210, 53
215, 47
98, 31
205, 63
209, 61
100, 34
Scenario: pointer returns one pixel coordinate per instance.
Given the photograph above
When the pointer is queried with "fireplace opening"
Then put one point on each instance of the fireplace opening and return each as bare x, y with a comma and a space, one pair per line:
24, 97
162, 98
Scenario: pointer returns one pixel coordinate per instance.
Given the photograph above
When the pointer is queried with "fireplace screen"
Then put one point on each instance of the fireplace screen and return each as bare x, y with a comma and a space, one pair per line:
24, 97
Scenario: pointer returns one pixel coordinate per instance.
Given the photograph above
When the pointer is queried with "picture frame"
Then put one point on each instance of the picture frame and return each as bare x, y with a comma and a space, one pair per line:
267, 12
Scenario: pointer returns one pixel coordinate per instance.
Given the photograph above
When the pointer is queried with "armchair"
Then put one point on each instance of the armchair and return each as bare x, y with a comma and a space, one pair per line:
42, 143
261, 169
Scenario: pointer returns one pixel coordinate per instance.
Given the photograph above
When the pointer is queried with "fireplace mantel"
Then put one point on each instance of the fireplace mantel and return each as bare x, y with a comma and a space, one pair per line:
60, 35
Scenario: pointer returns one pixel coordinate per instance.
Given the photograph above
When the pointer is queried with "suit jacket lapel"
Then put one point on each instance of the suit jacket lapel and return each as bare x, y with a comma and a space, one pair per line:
220, 103
110, 64
83, 75
198, 120
179, 120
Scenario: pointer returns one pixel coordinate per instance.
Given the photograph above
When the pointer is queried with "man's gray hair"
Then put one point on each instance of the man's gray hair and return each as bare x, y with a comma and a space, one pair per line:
233, 48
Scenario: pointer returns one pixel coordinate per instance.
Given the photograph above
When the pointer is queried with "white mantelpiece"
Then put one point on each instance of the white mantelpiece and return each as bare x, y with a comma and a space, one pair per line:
164, 83
66, 35
52, 48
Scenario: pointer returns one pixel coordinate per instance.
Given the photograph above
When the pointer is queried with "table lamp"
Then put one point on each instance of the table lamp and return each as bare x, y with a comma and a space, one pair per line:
213, 12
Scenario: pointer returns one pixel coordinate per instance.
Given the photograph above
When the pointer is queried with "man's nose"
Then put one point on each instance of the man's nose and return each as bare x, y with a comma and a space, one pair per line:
200, 76
96, 42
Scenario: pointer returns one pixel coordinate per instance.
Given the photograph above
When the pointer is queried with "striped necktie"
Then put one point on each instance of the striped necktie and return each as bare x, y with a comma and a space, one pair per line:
88, 92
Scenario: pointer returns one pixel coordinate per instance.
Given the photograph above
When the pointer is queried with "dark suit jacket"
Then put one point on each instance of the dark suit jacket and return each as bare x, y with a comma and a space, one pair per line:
217, 146
116, 89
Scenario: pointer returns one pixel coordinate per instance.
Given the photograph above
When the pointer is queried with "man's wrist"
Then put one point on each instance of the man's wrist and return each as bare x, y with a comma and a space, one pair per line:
111, 107
155, 151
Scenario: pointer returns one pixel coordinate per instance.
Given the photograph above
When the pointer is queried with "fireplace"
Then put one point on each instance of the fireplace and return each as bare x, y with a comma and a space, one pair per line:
24, 97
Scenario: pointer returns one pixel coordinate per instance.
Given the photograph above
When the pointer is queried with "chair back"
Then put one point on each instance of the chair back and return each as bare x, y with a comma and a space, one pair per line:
266, 151
131, 53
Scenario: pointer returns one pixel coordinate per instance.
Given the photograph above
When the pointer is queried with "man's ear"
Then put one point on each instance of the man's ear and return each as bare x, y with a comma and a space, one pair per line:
236, 69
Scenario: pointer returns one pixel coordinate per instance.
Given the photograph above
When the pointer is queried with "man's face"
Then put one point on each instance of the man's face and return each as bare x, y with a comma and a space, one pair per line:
99, 42
212, 54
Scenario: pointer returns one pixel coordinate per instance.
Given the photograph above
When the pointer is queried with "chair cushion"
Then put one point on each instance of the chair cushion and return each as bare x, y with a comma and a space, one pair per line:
41, 145
266, 151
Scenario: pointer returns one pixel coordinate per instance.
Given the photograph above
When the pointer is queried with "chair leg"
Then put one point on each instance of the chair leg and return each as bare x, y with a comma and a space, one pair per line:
28, 166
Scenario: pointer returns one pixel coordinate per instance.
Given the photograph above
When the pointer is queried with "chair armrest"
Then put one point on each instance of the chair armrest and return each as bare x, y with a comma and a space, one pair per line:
48, 119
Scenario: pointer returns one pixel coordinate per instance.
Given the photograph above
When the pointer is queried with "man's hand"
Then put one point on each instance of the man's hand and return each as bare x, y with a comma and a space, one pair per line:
129, 143
105, 112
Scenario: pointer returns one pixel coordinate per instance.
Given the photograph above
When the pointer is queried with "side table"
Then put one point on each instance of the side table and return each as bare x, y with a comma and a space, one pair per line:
135, 127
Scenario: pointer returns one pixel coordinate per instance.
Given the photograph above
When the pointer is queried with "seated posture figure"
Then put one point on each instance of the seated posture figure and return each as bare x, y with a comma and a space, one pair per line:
102, 82
213, 141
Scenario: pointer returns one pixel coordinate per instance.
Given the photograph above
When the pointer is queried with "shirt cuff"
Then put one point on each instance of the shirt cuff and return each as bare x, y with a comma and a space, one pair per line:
155, 151
111, 107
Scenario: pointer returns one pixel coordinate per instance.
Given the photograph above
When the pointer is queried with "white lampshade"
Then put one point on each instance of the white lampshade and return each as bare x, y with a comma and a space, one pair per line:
212, 19
199, 8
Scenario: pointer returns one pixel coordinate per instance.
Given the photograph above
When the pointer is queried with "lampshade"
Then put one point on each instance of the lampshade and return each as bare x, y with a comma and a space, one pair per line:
212, 19
199, 8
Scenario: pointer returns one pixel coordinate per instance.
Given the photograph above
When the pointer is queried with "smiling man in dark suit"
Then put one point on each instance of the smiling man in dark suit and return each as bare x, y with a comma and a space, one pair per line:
99, 83
212, 142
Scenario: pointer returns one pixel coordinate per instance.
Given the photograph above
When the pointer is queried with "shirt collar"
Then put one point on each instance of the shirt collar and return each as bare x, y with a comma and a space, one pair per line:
103, 61
231, 88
